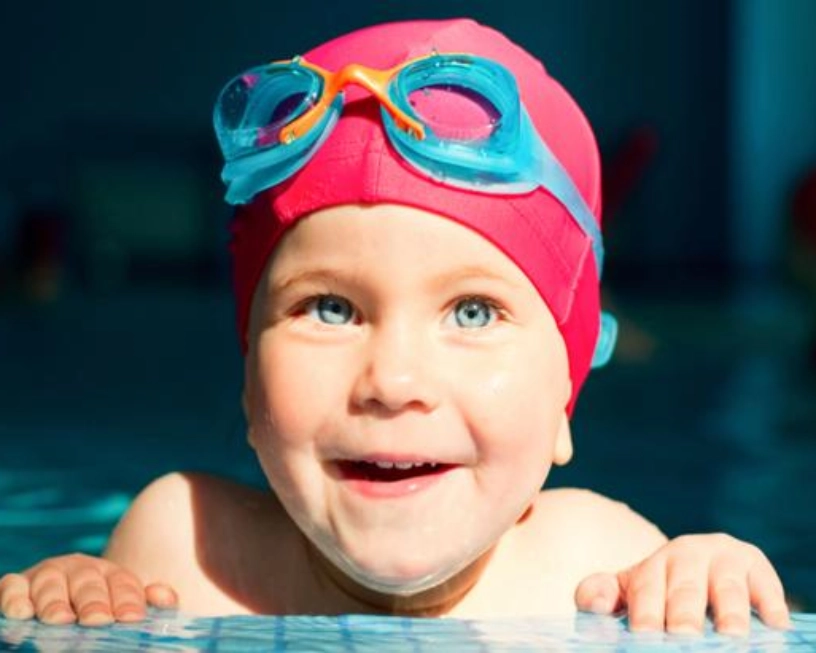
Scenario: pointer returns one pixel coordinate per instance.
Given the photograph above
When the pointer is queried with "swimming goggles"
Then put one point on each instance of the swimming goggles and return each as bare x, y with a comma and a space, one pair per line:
271, 120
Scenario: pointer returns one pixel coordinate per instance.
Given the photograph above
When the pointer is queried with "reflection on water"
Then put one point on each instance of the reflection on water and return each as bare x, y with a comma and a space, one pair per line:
364, 634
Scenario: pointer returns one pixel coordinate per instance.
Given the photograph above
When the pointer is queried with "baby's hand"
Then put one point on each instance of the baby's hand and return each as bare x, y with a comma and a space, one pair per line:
80, 588
675, 586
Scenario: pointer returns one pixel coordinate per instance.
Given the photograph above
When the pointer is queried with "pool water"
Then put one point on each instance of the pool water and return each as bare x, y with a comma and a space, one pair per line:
365, 634
711, 427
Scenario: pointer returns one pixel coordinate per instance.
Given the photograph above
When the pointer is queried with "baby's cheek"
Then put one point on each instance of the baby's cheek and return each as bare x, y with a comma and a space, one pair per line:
286, 415
296, 390
515, 409
520, 386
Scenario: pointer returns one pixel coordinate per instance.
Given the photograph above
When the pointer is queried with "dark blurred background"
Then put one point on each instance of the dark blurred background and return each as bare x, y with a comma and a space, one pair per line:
117, 353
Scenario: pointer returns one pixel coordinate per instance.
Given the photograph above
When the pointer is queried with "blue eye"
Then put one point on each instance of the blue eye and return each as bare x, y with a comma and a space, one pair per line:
331, 309
474, 313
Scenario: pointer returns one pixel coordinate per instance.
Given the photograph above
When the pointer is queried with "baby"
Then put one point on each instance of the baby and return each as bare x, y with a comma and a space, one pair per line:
417, 257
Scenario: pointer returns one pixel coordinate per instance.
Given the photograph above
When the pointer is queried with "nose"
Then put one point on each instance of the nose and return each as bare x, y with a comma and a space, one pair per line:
397, 371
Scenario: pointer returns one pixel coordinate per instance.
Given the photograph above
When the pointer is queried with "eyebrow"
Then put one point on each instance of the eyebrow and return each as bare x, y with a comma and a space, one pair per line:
323, 275
311, 275
472, 272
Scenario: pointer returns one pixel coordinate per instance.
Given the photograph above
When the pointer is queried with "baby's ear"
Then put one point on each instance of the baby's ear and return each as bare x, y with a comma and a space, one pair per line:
563, 443
562, 453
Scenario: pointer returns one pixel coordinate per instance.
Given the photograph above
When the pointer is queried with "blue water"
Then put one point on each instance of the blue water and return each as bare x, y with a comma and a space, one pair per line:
711, 428
365, 634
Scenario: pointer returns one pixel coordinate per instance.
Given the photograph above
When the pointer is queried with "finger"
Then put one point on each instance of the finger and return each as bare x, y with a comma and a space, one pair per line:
767, 595
89, 596
728, 596
49, 593
160, 595
645, 591
599, 593
15, 601
686, 593
127, 596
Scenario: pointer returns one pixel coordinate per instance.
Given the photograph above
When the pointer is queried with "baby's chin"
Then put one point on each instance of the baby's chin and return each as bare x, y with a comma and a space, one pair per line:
404, 578
403, 585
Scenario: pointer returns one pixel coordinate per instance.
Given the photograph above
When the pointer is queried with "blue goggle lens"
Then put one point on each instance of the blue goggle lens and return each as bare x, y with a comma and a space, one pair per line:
254, 107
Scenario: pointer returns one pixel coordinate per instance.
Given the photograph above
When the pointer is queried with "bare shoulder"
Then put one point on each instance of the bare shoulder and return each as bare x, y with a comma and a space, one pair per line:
607, 533
160, 511
159, 529
187, 530
165, 510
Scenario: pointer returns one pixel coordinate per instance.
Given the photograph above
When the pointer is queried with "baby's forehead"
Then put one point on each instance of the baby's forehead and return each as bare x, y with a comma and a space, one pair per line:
393, 235
399, 248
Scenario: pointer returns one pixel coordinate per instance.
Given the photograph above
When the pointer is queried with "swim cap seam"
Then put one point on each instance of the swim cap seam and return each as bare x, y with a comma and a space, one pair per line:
377, 167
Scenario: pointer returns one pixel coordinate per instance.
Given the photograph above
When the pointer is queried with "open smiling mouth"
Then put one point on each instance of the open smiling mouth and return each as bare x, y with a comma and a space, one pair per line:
388, 472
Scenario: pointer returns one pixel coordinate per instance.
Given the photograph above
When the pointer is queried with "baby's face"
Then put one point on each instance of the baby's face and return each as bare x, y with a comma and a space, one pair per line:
406, 388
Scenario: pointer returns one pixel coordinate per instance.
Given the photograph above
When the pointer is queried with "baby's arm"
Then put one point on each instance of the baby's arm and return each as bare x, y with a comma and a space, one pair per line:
675, 586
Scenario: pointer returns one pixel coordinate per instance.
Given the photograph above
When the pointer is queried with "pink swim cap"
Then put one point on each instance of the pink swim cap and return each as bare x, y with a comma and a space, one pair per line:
357, 165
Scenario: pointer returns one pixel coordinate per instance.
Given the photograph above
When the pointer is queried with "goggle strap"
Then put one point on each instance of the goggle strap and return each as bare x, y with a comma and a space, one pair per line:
560, 185
607, 338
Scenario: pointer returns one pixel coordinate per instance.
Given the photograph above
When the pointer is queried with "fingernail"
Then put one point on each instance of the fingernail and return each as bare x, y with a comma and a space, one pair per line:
19, 611
645, 624
600, 605
97, 619
59, 617
685, 628
684, 623
130, 615
780, 619
733, 626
